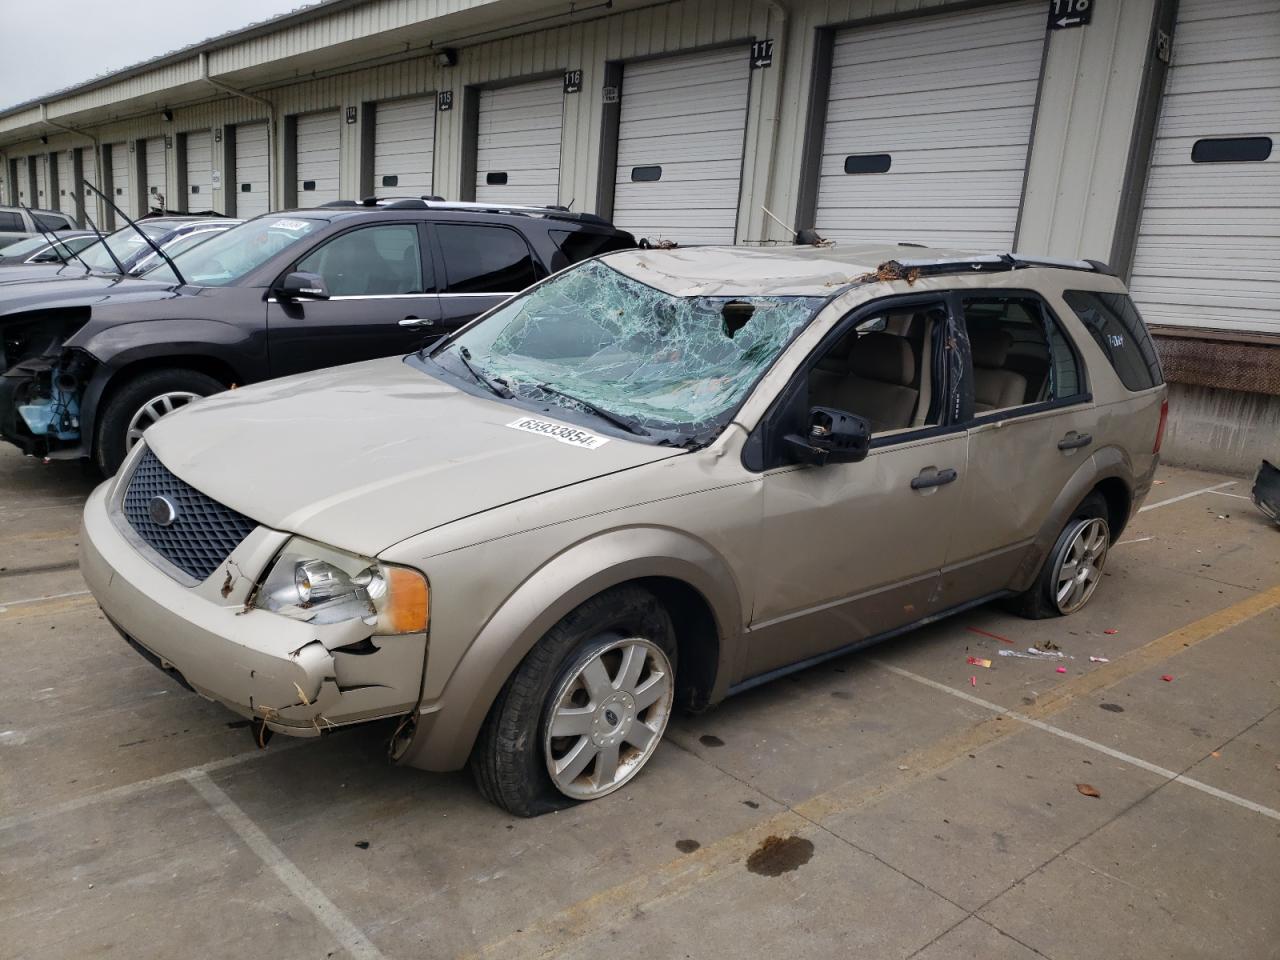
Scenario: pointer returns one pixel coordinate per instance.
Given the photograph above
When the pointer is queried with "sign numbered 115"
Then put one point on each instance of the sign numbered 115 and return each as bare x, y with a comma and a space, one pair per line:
1065, 14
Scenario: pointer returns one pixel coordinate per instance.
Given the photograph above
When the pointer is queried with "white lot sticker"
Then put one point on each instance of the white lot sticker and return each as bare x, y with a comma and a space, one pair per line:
558, 431
289, 225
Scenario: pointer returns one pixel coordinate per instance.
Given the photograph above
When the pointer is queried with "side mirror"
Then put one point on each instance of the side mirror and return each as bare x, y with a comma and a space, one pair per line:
302, 286
834, 437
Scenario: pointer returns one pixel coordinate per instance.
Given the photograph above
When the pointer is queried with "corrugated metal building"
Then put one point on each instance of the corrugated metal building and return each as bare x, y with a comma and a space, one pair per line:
1134, 131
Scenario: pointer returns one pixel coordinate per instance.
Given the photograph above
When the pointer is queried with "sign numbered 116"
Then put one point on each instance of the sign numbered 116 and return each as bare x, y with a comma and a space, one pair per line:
1065, 14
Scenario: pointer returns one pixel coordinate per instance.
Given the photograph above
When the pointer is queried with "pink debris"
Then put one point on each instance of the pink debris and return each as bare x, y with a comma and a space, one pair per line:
973, 681
1062, 669
1167, 678
1111, 633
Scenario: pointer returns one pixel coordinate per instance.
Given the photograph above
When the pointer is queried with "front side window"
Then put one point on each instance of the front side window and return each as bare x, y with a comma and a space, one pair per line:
1113, 322
596, 338
237, 252
484, 259
1020, 355
372, 261
51, 223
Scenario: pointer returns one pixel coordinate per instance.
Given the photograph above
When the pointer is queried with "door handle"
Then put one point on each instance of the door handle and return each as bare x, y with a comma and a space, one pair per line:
1074, 441
417, 322
933, 478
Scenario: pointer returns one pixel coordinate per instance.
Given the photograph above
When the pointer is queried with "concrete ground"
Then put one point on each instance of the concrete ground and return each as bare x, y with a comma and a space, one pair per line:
896, 803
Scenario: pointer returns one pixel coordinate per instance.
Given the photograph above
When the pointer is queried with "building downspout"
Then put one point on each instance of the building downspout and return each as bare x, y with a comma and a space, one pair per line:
271, 128
97, 159
776, 123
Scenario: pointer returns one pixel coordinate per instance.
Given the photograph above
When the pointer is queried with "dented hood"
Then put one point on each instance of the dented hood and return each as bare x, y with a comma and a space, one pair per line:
86, 290
363, 456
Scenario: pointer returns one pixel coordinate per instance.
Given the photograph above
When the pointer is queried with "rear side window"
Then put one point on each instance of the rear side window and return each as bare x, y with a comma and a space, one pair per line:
10, 222
482, 259
52, 223
1113, 321
582, 244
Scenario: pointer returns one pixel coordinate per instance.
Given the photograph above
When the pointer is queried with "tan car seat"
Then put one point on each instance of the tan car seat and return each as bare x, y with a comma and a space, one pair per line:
994, 388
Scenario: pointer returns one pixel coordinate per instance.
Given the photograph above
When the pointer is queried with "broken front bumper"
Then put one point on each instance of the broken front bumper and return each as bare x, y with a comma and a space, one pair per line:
295, 676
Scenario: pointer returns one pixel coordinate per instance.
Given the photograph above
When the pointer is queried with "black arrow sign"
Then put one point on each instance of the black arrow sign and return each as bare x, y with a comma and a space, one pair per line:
1066, 14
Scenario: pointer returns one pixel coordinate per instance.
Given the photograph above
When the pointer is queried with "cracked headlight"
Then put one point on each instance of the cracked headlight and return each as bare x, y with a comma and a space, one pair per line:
317, 584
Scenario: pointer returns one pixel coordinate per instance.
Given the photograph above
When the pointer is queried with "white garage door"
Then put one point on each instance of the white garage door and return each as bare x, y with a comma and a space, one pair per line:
1208, 252
928, 126
318, 141
89, 174
67, 184
157, 179
121, 181
24, 181
518, 144
250, 187
680, 138
199, 171
43, 200
404, 136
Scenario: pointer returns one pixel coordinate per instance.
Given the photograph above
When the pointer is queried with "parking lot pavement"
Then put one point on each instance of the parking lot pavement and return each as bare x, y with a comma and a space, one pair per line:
899, 802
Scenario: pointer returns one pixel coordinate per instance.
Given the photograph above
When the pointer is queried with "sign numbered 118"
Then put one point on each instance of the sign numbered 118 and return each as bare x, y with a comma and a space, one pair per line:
1065, 14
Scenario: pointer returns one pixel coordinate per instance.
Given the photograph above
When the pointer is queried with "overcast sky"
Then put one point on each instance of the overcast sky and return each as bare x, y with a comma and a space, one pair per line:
51, 46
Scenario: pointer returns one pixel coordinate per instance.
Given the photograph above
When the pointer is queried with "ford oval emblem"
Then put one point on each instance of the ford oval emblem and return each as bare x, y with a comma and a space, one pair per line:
162, 511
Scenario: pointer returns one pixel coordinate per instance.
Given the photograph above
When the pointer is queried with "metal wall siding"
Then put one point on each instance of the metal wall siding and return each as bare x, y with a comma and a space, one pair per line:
1208, 251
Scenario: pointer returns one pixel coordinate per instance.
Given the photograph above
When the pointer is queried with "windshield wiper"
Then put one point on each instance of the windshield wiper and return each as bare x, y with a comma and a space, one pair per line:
497, 386
626, 423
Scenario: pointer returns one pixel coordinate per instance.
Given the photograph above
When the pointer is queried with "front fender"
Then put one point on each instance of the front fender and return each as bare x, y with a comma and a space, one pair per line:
115, 348
1106, 463
448, 727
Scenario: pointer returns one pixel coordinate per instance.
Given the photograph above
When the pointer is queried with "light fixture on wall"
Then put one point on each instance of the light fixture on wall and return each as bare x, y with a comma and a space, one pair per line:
167, 114
44, 138
447, 57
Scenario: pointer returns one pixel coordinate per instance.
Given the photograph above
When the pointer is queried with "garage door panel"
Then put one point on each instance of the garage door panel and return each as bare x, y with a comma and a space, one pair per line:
1208, 250
121, 181
199, 170
318, 149
66, 184
685, 115
951, 99
519, 135
250, 184
404, 146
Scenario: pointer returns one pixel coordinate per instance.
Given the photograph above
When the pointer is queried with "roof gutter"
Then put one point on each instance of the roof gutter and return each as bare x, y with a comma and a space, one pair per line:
271, 124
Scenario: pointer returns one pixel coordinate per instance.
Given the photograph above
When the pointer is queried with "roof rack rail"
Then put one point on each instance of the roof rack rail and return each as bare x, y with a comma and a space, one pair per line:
994, 262
337, 203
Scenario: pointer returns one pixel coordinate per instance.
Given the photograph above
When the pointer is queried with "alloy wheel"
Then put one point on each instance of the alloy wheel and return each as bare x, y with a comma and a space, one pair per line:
153, 410
1079, 568
606, 719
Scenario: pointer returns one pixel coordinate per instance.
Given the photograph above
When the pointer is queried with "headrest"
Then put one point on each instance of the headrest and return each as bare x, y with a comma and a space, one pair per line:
883, 357
989, 347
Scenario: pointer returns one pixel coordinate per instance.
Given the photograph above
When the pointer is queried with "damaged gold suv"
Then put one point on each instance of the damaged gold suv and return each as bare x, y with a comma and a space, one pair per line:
648, 482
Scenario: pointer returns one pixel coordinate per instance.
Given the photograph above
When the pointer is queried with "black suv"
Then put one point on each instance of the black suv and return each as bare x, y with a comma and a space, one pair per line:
283, 293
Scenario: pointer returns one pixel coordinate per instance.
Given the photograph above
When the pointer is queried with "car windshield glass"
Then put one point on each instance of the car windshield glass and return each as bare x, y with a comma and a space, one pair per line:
125, 244
227, 257
664, 363
173, 248
23, 248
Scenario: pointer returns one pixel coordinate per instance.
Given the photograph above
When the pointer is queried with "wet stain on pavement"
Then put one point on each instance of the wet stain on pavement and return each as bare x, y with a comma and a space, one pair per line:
687, 846
778, 855
710, 740
842, 694
1112, 707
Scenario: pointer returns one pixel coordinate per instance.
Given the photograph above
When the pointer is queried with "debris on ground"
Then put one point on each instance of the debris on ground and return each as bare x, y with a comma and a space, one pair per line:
1112, 632
973, 681
979, 662
1099, 660
986, 633
1167, 678
1048, 645
1062, 669
1088, 790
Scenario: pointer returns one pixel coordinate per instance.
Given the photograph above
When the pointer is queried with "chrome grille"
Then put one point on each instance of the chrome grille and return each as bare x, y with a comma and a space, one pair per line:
203, 532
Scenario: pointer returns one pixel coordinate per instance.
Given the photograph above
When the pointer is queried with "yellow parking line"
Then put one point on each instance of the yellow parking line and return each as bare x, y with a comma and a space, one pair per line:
549, 937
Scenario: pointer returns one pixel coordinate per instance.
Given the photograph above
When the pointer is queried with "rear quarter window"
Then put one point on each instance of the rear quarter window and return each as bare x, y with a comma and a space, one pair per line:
579, 245
1115, 325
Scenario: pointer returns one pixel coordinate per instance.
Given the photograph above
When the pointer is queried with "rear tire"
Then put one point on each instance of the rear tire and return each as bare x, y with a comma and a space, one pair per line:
515, 753
140, 401
1078, 556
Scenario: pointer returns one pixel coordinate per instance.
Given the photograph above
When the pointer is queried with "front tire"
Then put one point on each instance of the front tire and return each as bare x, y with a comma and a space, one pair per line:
140, 402
1073, 568
585, 710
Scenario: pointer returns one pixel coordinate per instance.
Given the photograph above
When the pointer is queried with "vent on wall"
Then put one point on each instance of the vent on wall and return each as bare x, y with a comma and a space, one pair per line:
646, 174
868, 163
308, 185
246, 188
495, 179
1231, 150
391, 181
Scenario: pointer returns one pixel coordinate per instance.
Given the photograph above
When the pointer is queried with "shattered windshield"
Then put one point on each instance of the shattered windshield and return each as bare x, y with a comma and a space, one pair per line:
598, 341
230, 255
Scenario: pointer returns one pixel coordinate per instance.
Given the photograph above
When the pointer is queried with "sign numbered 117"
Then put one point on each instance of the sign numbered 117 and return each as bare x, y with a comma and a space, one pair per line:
1065, 14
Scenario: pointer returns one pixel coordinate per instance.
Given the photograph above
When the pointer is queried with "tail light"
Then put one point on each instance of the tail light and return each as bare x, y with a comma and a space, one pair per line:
1164, 418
